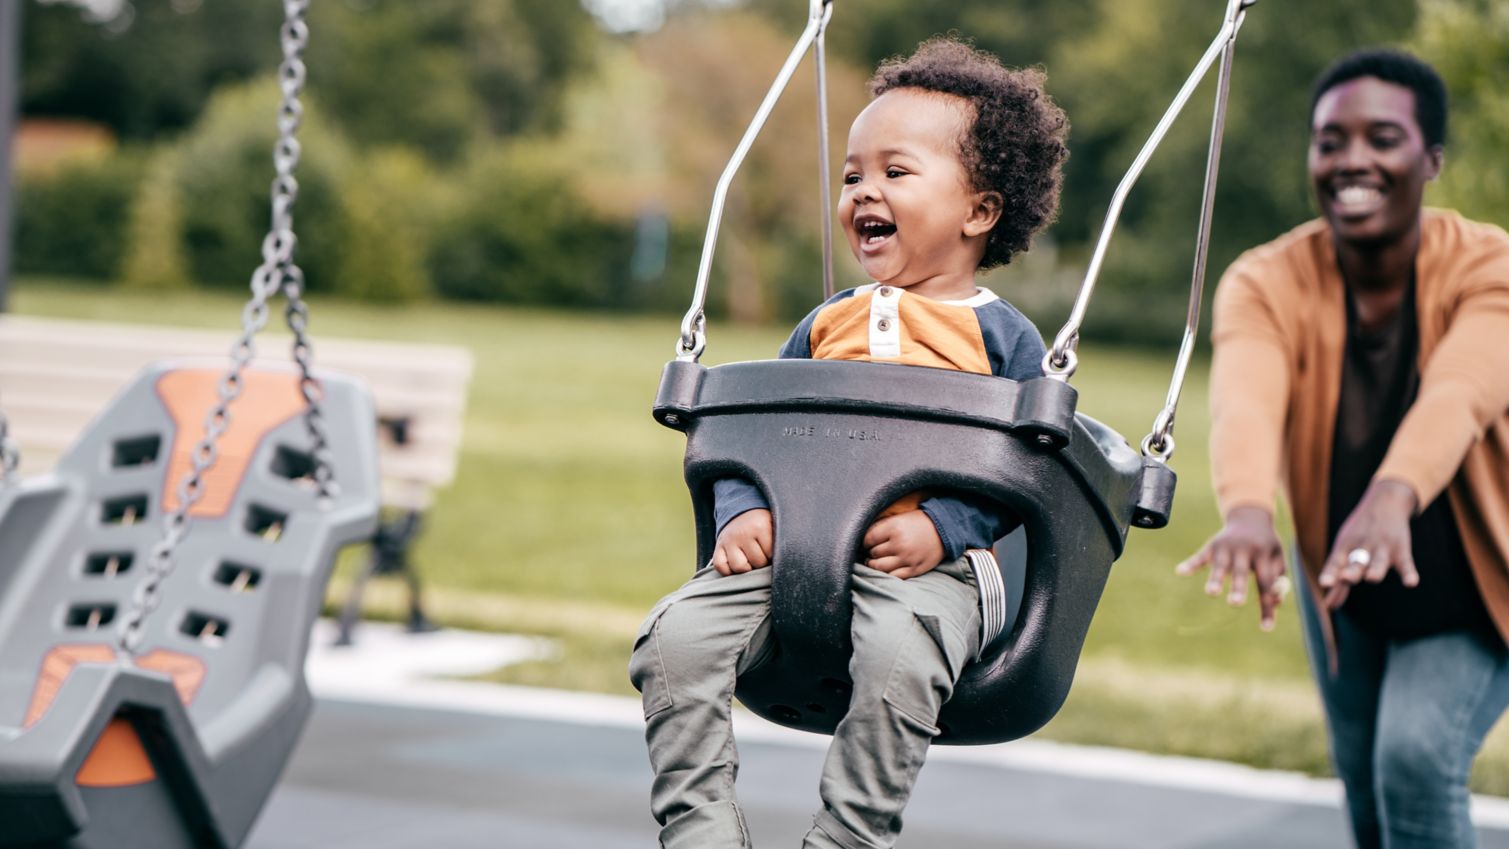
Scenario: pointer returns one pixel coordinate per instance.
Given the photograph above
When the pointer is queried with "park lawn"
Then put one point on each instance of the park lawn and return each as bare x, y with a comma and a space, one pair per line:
568, 518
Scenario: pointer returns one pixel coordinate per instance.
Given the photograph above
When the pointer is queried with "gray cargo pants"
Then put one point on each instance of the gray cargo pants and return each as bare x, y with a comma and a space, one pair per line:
912, 638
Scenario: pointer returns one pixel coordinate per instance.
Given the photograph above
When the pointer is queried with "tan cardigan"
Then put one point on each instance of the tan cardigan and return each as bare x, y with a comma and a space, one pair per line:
1279, 332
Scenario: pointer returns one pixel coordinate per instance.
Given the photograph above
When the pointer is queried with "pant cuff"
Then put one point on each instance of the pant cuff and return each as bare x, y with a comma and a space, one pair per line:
828, 833
716, 825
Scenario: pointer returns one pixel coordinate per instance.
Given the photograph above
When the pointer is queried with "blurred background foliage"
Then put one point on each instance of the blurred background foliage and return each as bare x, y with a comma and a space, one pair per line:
557, 153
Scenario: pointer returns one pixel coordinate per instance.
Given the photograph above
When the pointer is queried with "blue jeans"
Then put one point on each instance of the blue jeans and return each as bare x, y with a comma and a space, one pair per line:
1406, 718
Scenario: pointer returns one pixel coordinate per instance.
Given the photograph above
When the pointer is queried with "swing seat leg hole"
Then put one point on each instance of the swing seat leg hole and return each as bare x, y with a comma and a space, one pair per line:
266, 523
238, 578
108, 564
127, 510
208, 630
136, 452
294, 465
91, 616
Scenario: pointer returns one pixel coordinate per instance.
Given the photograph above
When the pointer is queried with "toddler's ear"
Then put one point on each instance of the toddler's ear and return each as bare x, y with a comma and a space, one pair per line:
984, 214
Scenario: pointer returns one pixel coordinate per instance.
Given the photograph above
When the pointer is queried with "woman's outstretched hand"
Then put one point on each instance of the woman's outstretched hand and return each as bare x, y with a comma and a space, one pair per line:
1246, 550
1373, 540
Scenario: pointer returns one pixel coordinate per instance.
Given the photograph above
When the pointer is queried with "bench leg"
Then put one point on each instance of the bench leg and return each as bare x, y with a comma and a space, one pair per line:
390, 553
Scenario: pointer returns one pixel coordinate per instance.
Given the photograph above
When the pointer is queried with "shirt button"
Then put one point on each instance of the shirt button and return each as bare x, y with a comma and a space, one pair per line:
885, 291
883, 325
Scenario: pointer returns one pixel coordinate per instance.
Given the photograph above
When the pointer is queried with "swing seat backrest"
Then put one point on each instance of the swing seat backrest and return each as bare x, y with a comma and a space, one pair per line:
832, 443
182, 745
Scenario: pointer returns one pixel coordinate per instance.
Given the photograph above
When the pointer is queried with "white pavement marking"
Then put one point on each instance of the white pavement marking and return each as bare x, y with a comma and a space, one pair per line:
390, 666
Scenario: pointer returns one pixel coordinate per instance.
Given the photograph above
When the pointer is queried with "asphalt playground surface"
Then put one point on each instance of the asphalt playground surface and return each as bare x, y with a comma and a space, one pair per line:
395, 758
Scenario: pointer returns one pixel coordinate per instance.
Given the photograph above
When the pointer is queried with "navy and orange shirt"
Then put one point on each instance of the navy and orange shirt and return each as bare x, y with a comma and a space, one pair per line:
883, 324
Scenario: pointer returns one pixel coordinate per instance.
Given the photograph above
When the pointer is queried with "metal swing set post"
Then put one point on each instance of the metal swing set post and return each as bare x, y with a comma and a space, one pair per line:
10, 103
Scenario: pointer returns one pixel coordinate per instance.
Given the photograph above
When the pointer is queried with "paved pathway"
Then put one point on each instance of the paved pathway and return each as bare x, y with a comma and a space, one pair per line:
393, 760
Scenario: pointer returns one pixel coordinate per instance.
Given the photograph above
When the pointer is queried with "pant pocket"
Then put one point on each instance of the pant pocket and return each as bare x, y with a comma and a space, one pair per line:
647, 668
927, 664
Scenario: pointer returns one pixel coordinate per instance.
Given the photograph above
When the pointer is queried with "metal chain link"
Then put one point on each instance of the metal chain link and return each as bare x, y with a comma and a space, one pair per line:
278, 272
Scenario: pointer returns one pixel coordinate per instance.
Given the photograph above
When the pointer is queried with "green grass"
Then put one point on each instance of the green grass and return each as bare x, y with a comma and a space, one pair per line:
568, 518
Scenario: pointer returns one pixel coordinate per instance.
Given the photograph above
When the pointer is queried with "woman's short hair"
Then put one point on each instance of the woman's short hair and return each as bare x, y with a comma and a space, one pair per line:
1401, 69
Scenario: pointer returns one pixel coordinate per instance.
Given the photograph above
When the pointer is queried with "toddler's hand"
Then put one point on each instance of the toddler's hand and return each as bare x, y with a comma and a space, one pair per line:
745, 543
905, 545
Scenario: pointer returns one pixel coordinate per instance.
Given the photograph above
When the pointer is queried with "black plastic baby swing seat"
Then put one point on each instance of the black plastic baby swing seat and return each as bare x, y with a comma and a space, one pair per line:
832, 443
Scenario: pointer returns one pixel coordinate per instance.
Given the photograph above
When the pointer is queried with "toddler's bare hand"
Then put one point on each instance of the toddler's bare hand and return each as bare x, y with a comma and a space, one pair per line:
905, 545
745, 543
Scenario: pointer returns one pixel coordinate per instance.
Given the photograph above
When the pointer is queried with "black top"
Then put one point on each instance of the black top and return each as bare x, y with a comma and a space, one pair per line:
1380, 377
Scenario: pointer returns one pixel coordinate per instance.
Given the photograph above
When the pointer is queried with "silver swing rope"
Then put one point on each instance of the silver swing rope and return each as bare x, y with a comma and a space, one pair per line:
278, 272
693, 339
1062, 360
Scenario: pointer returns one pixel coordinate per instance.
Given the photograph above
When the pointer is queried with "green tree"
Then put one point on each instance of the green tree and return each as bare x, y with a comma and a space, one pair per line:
146, 74
434, 74
1116, 78
1468, 42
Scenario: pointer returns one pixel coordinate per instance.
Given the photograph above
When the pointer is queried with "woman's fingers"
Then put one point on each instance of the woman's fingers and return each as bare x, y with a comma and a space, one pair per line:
1220, 565
1241, 569
1195, 562
1406, 568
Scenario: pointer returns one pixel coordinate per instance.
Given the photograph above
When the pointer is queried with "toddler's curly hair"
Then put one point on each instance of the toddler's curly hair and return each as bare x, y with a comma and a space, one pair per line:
1015, 141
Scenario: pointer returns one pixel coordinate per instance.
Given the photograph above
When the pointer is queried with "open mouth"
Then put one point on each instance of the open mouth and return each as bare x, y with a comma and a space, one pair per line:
873, 230
1357, 200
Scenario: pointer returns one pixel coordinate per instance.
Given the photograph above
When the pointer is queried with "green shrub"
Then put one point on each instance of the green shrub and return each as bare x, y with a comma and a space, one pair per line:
518, 233
224, 173
386, 216
155, 258
72, 220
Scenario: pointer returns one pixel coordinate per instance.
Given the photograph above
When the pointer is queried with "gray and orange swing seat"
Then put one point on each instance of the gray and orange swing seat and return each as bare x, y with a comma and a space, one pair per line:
180, 745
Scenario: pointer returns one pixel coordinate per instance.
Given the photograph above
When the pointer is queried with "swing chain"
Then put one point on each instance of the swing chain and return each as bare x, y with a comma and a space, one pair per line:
278, 272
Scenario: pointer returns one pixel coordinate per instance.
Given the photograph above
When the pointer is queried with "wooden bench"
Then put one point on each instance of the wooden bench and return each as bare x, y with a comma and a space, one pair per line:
56, 375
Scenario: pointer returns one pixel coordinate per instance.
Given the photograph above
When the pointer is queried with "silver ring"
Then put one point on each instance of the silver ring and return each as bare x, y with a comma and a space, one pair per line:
1359, 557
1281, 586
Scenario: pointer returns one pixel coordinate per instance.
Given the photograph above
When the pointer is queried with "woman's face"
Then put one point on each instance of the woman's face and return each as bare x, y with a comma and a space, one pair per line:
1369, 162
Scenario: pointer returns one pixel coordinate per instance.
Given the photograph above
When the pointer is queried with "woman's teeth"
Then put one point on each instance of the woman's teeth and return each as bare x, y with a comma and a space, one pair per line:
1358, 196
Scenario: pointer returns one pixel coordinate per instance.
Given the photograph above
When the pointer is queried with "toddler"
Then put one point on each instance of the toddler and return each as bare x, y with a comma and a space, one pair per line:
951, 169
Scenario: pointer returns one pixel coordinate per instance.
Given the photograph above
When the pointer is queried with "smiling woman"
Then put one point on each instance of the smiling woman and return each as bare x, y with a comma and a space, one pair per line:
1360, 359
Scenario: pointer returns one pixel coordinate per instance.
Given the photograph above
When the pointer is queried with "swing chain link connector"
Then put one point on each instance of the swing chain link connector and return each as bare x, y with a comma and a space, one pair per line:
693, 340
1159, 443
1061, 361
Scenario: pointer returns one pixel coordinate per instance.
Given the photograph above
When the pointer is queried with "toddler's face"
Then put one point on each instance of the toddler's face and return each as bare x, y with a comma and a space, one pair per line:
906, 205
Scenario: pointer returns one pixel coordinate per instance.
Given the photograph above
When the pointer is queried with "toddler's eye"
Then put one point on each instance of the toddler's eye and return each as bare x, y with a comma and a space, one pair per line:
851, 179
893, 173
